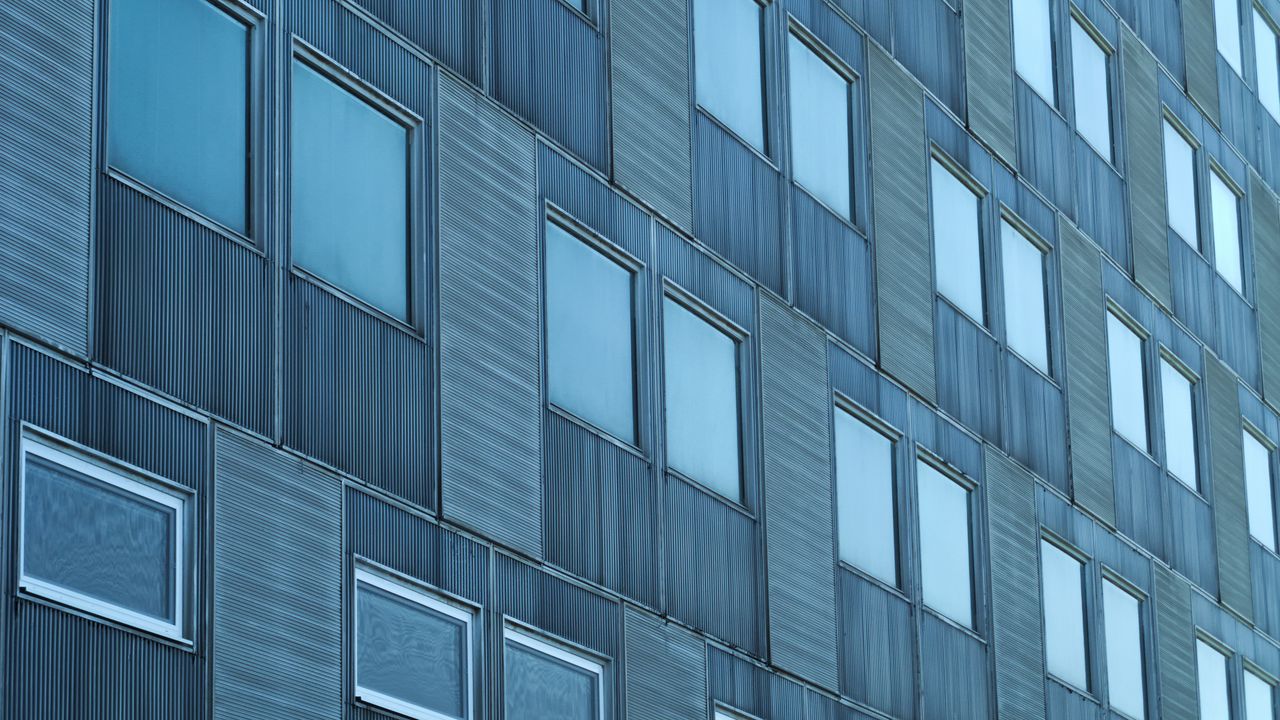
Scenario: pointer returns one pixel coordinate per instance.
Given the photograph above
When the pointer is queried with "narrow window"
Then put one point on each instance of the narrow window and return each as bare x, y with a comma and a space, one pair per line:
1264, 39
1226, 231
413, 650
1128, 382
1064, 634
820, 127
957, 255
1211, 669
547, 681
590, 368
1125, 676
1180, 186
701, 365
1092, 87
1033, 46
865, 498
945, 558
1178, 395
729, 82
1226, 20
1024, 297
1259, 491
178, 103
1258, 701
111, 544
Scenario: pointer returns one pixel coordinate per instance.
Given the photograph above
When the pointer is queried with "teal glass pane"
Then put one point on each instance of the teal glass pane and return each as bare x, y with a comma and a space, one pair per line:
1026, 320
540, 687
1128, 382
944, 545
864, 498
1211, 669
1062, 580
1125, 676
957, 244
727, 66
411, 653
819, 127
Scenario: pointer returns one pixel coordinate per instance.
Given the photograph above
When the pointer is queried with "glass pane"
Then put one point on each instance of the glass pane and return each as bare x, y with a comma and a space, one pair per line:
1268, 73
1063, 616
1092, 90
1033, 46
1128, 382
944, 545
350, 192
957, 255
539, 686
1226, 19
1024, 297
1211, 667
589, 334
1125, 677
1226, 231
1179, 424
727, 68
702, 400
178, 103
1258, 488
864, 496
411, 653
1258, 704
97, 540
819, 127
1180, 186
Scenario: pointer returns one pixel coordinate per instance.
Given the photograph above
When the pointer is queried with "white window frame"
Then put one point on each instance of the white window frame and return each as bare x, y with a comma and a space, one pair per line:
148, 491
520, 636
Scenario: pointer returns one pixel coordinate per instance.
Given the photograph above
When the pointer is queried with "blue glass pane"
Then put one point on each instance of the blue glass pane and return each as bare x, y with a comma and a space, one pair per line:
1033, 46
957, 248
1258, 701
350, 192
1128, 382
1062, 581
589, 353
727, 68
1092, 90
1179, 424
864, 496
1180, 186
819, 127
411, 653
1124, 651
944, 545
177, 103
1258, 491
540, 687
1211, 669
1024, 297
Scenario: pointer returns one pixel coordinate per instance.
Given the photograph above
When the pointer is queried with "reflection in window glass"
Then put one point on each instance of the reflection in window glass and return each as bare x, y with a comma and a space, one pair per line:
544, 681
1226, 231
1128, 382
1033, 46
1092, 89
1226, 22
957, 250
727, 67
819, 127
1180, 186
864, 497
1024, 297
1258, 703
1125, 677
1064, 642
1176, 391
1211, 668
1259, 491
1264, 38
944, 545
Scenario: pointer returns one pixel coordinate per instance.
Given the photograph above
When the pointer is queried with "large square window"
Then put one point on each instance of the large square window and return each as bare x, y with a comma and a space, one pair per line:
1178, 395
1259, 491
1258, 701
1064, 633
178, 103
820, 127
1225, 206
1092, 89
350, 204
945, 560
728, 74
1025, 311
957, 248
1211, 671
865, 498
1180, 185
1267, 62
1126, 679
1128, 378
1226, 22
549, 681
1033, 46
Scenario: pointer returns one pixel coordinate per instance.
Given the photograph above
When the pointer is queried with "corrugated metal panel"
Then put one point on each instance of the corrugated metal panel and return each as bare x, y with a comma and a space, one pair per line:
877, 634
666, 670
833, 276
653, 153
1175, 647
988, 65
744, 686
1201, 47
1159, 24
1101, 207
1193, 281
1265, 568
1226, 460
557, 606
446, 29
490, 368
47, 100
1035, 422
1046, 146
929, 41
1238, 103
954, 675
1140, 499
1065, 703
1190, 535
277, 578
1235, 337
968, 372
1266, 258
1145, 154
904, 260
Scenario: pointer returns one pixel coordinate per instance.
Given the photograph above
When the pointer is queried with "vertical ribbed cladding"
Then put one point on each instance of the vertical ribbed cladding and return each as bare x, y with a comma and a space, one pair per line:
529, 595
1265, 214
1046, 149
47, 101
1201, 48
1189, 533
1158, 23
1175, 647
1236, 331
954, 675
933, 48
1140, 506
1230, 513
448, 30
988, 74
744, 686
1035, 427
1100, 202
833, 273
1265, 572
877, 645
1250, 644
968, 371
666, 669
1145, 167
1193, 288
1237, 101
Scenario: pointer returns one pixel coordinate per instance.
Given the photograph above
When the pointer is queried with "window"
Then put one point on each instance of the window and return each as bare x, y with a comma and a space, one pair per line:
1128, 382
1033, 46
1259, 491
350, 192
1178, 395
1180, 186
590, 358
413, 651
1125, 676
1024, 296
110, 544
547, 681
701, 365
1226, 231
727, 39
1063, 591
1258, 703
865, 498
957, 250
820, 127
944, 545
1211, 668
178, 103
1268, 64
1226, 20
1092, 86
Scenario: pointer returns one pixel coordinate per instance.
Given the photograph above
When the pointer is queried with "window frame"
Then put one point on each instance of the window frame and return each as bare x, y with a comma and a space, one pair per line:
1165, 357
557, 649
976, 572
1075, 18
1018, 225
1251, 668
980, 195
1197, 190
1144, 337
1054, 41
820, 50
1238, 64
768, 149
1228, 655
1259, 13
894, 436
1216, 171
1087, 609
1142, 599
1260, 437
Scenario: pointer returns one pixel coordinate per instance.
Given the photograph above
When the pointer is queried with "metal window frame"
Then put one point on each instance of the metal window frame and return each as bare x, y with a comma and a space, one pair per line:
843, 404
1008, 217
543, 645
823, 52
1113, 309
1261, 438
981, 195
1141, 598
1087, 609
1165, 357
970, 487
764, 153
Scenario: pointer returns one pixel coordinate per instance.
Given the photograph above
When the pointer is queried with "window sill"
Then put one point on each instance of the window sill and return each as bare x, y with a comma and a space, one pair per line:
1071, 688
357, 303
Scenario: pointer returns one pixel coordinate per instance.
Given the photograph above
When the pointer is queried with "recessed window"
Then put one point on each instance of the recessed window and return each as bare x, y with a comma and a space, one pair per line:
1033, 46
1092, 86
178, 103
945, 559
1226, 21
1258, 701
1211, 669
957, 249
1128, 382
1126, 679
590, 358
701, 372
413, 650
820, 127
111, 544
1226, 231
1259, 491
1064, 635
1268, 64
727, 45
865, 498
350, 203
548, 681
1178, 395
1180, 185
1024, 296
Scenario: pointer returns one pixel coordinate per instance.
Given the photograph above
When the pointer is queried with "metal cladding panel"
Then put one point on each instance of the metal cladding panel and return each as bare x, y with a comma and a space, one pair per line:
1265, 568
1191, 542
797, 495
527, 594
277, 605
833, 273
1159, 25
929, 42
1140, 505
968, 372
1193, 282
877, 634
1012, 534
1101, 206
1239, 105
1088, 395
652, 140
742, 685
490, 322
1236, 634
47, 100
1201, 48
447, 29
666, 670
1236, 337
1064, 703
1266, 258
1226, 462
1175, 647
903, 247
988, 44
953, 672
595, 204
1046, 146
1144, 135
1035, 428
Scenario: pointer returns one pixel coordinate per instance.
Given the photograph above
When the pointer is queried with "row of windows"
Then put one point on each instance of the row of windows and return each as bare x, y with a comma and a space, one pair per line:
1215, 671
1228, 31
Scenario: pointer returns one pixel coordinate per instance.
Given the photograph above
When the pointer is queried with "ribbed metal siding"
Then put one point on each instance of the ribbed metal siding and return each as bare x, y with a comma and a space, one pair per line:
1201, 48
1046, 146
968, 372
1266, 258
1265, 575
877, 646
1189, 530
277, 578
1035, 422
1101, 202
490, 322
1145, 153
1175, 647
1140, 504
928, 40
954, 676
447, 29
47, 100
833, 275
988, 45
557, 606
1226, 460
666, 670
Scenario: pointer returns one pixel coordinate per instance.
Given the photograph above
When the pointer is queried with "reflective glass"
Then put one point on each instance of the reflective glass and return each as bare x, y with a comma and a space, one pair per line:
1211, 668
1226, 231
1258, 491
178, 103
819, 127
957, 250
1176, 392
410, 652
1258, 703
864, 496
1064, 640
1128, 382
1226, 22
1033, 46
944, 545
539, 687
727, 67
1125, 678
1264, 38
1092, 90
1180, 186
1024, 297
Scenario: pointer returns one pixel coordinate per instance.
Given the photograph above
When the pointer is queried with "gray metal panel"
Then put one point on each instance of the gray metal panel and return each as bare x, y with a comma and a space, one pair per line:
1199, 41
652, 151
797, 495
490, 370
666, 669
1145, 153
47, 99
1176, 649
1226, 461
954, 673
878, 646
1266, 258
903, 248
988, 61
1088, 395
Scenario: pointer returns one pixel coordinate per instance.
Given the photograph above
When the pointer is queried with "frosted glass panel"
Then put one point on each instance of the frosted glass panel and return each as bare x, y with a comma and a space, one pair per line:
1226, 231
1259, 492
1024, 297
727, 67
1180, 186
1226, 21
1125, 678
411, 653
819, 127
1211, 667
957, 250
1064, 642
1033, 46
1179, 424
1128, 382
540, 687
1264, 38
1258, 703
1092, 90
864, 496
944, 545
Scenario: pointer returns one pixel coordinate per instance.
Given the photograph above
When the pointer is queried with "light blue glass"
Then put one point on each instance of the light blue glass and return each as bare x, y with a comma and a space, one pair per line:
819, 127
944, 545
1180, 186
1033, 46
1179, 424
1258, 491
1226, 23
540, 687
1024, 297
1092, 90
1125, 677
350, 202
1128, 382
177, 103
1267, 63
1211, 669
411, 653
727, 66
957, 250
1258, 703
864, 498
589, 334
1224, 206
1063, 600
701, 371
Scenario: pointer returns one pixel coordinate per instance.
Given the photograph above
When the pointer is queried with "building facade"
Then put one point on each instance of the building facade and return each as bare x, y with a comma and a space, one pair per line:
639, 359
